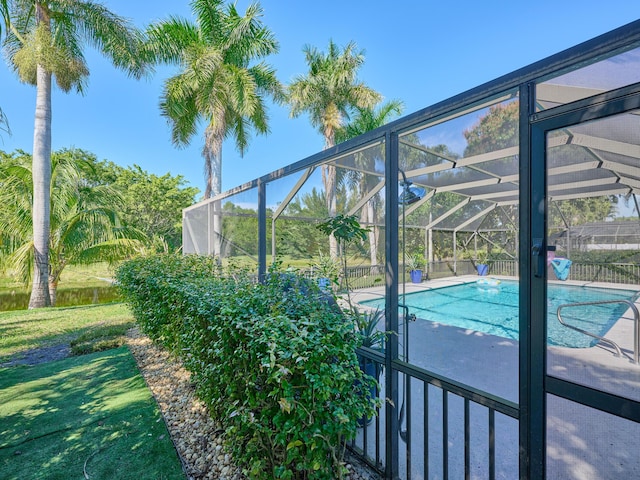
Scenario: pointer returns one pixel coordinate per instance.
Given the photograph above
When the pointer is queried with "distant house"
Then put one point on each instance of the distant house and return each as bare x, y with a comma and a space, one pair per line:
616, 235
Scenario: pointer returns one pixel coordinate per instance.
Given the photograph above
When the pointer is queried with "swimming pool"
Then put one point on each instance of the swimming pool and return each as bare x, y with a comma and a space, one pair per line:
495, 310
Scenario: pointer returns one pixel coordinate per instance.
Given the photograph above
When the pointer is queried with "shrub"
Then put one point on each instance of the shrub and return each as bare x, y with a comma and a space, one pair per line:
274, 361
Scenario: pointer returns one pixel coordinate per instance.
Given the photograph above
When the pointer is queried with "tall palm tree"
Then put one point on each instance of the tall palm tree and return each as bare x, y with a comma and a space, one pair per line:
365, 120
328, 93
45, 41
84, 224
219, 81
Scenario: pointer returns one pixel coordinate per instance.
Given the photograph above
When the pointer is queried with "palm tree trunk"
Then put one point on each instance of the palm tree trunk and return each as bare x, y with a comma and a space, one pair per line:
329, 180
41, 190
212, 153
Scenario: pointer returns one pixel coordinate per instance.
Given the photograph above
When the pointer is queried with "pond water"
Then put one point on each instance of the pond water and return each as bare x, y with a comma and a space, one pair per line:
19, 300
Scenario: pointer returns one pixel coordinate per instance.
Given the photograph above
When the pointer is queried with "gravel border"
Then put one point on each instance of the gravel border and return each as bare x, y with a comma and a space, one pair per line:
196, 436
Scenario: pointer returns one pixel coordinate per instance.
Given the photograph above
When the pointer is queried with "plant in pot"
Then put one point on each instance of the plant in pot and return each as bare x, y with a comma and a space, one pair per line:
482, 266
327, 270
372, 336
367, 327
415, 263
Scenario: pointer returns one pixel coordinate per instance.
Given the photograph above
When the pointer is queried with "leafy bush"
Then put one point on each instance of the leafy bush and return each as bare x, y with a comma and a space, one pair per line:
100, 338
274, 361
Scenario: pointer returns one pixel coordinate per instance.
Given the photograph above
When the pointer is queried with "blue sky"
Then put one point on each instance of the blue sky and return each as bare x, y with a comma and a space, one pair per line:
420, 52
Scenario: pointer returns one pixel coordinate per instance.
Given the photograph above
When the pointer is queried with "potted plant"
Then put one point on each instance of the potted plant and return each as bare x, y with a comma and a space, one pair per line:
367, 327
415, 264
481, 262
327, 270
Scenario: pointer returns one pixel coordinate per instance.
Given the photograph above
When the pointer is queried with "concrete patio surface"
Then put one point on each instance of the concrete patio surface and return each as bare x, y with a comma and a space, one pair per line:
582, 443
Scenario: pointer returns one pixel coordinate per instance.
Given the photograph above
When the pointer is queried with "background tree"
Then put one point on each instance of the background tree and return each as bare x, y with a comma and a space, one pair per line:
45, 41
498, 129
328, 93
85, 226
296, 234
365, 120
151, 204
4, 123
218, 82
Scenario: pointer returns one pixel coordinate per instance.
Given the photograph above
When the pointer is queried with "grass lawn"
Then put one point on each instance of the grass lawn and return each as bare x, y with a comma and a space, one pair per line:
27, 329
85, 417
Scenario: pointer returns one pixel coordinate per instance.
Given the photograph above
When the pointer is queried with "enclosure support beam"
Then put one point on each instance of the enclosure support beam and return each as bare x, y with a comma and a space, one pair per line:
449, 212
391, 308
419, 203
532, 320
476, 217
285, 202
366, 198
262, 230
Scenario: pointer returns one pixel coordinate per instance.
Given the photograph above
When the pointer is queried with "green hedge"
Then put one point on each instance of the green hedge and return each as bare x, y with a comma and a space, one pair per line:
274, 361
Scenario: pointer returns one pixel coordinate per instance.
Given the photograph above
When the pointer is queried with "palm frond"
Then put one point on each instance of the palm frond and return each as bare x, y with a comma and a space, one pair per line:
209, 18
113, 35
178, 104
20, 262
4, 123
168, 40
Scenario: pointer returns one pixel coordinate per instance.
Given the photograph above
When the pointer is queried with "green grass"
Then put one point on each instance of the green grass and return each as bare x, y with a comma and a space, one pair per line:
27, 329
91, 415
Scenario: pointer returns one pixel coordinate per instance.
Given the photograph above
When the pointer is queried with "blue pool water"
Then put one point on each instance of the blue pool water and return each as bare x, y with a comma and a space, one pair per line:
495, 310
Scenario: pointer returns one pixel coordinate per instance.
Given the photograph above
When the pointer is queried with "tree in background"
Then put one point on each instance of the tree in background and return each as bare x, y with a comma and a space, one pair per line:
365, 120
328, 93
84, 224
217, 82
150, 203
498, 129
46, 41
4, 123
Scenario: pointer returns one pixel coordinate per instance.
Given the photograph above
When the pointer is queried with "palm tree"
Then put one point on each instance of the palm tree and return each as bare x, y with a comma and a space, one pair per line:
4, 123
218, 82
85, 227
44, 41
328, 93
365, 120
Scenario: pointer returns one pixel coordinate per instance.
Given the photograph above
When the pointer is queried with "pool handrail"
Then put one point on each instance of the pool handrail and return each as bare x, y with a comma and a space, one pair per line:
636, 331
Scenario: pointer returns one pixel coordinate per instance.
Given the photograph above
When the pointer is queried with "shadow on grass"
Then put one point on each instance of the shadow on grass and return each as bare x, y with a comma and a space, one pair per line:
88, 415
22, 332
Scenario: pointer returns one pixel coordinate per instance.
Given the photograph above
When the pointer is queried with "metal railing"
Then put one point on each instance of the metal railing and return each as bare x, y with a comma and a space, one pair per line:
621, 273
636, 319
427, 442
624, 273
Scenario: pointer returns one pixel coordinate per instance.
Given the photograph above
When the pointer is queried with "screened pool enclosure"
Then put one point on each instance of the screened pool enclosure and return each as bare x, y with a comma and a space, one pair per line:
534, 175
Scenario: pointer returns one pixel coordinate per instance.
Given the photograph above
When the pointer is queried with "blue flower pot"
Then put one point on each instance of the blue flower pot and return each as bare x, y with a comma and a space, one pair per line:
482, 269
416, 276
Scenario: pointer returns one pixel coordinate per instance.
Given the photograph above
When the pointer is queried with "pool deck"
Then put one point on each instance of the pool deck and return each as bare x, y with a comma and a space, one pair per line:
582, 443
